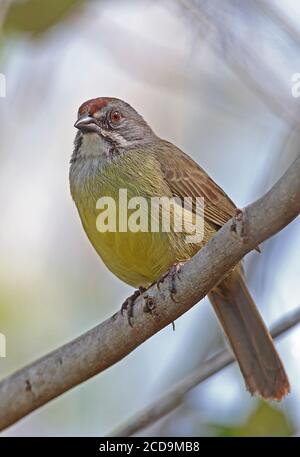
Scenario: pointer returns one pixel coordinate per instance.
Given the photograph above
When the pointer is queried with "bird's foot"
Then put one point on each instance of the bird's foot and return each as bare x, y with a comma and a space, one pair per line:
239, 224
173, 273
129, 304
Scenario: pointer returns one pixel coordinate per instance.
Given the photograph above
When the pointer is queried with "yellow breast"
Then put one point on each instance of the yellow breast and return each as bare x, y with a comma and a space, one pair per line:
137, 258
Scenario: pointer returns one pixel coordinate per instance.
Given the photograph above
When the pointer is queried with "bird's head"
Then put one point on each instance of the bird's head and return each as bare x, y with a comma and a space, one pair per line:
111, 124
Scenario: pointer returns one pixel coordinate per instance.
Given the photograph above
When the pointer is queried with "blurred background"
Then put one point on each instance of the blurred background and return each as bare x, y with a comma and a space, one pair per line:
214, 77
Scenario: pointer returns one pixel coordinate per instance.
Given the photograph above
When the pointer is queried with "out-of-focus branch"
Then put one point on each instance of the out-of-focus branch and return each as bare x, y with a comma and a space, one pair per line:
113, 339
272, 10
238, 52
175, 396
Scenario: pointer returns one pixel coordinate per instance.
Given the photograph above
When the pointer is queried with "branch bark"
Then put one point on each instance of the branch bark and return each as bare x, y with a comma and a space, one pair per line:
175, 396
106, 344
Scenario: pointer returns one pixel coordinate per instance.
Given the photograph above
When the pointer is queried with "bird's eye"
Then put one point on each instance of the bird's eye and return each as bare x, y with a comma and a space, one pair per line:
115, 117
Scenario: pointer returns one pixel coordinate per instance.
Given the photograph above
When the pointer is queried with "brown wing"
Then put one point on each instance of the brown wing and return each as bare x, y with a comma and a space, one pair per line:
187, 179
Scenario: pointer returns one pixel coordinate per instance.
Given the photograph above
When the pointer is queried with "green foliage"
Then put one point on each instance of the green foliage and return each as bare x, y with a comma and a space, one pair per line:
37, 16
266, 420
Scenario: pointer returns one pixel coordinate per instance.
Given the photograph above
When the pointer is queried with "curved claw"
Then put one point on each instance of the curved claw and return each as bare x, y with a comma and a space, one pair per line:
128, 306
172, 273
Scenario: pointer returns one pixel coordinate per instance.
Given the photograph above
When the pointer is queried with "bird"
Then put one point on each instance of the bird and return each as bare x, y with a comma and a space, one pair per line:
116, 149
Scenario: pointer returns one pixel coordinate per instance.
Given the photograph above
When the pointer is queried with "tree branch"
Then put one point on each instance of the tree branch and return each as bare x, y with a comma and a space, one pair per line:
113, 339
175, 396
242, 58
279, 18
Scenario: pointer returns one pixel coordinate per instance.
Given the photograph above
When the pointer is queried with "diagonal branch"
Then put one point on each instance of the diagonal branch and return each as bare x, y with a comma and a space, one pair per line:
280, 18
240, 55
175, 396
106, 344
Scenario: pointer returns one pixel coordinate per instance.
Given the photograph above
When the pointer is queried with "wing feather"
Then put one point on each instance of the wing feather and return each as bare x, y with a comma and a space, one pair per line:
187, 179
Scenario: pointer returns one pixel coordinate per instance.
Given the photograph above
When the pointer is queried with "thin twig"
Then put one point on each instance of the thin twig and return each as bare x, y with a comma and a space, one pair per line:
174, 397
273, 97
281, 19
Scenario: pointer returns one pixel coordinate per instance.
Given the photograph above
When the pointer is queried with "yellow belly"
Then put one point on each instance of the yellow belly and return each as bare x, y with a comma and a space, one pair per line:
138, 258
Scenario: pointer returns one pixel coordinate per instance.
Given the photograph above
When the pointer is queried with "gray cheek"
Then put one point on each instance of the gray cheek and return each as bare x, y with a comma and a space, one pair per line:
131, 131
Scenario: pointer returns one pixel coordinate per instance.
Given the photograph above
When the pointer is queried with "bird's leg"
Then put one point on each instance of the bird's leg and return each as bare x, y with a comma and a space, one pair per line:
239, 224
172, 274
129, 304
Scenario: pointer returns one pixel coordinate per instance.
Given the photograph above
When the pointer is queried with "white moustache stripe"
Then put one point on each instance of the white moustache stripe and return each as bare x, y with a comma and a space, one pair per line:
116, 138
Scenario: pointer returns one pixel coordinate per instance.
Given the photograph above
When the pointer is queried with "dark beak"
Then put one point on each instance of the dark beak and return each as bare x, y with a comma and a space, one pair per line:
87, 124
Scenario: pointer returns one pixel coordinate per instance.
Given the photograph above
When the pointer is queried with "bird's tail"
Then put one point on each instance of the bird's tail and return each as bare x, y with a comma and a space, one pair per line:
249, 338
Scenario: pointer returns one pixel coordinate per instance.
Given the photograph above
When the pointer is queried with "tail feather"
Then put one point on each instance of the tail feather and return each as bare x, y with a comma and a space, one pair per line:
250, 340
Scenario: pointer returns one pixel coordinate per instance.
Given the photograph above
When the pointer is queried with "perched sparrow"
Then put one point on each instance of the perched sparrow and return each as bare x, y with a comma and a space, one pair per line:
116, 149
